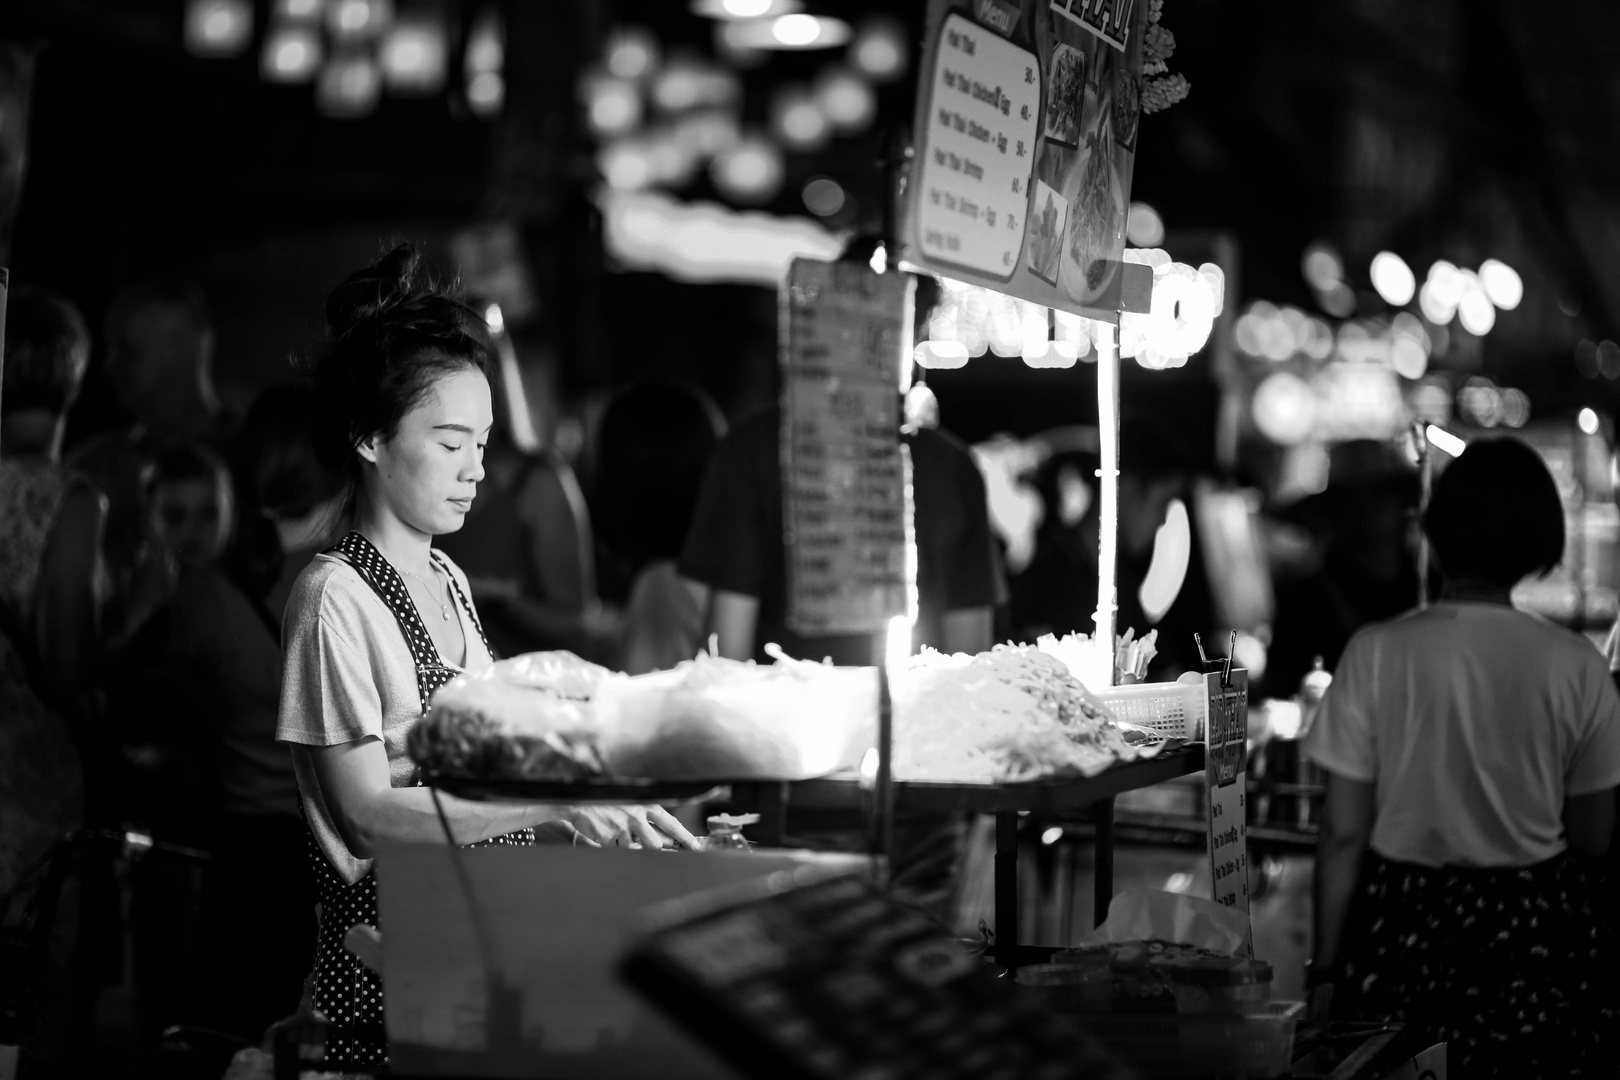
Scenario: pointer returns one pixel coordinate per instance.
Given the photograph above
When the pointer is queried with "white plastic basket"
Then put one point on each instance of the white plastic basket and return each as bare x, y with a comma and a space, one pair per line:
1175, 710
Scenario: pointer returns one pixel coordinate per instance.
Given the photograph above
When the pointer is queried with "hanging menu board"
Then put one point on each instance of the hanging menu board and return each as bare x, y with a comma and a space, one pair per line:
1226, 763
845, 330
1026, 140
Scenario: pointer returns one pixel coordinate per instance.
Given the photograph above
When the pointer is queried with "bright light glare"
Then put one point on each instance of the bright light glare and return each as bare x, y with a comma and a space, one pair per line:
707, 242
1143, 225
1502, 284
615, 105
1475, 311
796, 31
1588, 421
1283, 717
1284, 408
298, 9
1052, 835
349, 86
746, 9
1393, 279
494, 319
1444, 441
897, 646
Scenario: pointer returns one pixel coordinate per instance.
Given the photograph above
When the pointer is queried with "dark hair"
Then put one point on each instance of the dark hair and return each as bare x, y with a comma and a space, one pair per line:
176, 293
391, 333
653, 445
178, 463
1496, 515
277, 465
46, 349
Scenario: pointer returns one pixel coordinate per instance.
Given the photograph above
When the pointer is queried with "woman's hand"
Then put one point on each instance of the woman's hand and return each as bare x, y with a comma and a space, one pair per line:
649, 826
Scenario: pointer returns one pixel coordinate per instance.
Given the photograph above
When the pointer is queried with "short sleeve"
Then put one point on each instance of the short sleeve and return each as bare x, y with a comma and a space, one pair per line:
1342, 739
725, 548
328, 690
1595, 764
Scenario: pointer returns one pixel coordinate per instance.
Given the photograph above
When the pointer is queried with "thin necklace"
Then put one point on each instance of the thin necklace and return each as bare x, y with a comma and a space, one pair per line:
444, 609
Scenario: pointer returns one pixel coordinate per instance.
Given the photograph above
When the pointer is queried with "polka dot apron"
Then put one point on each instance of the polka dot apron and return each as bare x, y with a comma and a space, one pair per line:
344, 990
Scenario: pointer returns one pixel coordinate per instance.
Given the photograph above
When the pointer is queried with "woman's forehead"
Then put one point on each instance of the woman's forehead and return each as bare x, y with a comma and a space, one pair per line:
461, 397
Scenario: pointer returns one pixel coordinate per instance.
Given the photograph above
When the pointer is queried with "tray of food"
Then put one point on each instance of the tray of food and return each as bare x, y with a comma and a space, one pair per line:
553, 727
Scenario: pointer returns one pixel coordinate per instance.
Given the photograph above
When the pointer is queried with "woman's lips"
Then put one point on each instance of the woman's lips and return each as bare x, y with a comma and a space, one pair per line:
465, 503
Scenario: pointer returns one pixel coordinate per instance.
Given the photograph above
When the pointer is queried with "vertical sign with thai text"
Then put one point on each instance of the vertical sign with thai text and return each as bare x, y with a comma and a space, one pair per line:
1226, 777
845, 331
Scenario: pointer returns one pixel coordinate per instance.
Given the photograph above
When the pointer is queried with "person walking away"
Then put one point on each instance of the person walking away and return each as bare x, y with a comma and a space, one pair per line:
1471, 753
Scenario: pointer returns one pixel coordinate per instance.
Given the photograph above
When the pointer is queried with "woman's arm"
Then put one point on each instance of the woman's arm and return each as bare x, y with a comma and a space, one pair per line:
1589, 822
368, 811
1347, 820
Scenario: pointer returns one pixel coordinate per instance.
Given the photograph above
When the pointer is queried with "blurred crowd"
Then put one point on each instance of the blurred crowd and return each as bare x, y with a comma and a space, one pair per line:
149, 540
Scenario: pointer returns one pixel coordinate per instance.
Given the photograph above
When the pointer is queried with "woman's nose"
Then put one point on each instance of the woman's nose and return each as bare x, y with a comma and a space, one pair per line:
476, 472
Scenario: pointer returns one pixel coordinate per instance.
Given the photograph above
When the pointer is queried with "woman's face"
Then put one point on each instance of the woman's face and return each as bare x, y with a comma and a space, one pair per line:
427, 474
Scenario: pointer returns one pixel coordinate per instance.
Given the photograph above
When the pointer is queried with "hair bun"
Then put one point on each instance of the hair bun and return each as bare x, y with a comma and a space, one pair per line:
365, 294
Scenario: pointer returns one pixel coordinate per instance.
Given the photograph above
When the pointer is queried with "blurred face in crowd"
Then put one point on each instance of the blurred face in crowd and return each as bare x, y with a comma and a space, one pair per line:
427, 473
189, 518
164, 354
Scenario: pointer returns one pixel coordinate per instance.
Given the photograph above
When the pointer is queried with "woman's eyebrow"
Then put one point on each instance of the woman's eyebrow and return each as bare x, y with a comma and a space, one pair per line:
463, 428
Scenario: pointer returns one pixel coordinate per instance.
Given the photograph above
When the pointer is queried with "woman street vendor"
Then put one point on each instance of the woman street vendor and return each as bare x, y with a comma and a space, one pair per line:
375, 625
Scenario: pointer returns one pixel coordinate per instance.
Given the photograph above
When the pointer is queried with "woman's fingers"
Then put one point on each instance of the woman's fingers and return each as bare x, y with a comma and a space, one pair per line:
670, 825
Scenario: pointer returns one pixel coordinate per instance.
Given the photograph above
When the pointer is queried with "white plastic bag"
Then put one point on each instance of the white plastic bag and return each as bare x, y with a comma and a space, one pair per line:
1151, 914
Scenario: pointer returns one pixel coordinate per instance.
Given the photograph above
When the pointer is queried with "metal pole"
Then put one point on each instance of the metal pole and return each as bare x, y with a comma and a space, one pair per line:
1108, 483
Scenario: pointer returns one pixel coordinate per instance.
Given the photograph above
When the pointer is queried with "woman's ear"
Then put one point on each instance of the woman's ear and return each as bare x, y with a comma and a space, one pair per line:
367, 449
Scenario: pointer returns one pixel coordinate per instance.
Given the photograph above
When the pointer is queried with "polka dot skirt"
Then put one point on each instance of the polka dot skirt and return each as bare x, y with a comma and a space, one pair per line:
1503, 965
348, 993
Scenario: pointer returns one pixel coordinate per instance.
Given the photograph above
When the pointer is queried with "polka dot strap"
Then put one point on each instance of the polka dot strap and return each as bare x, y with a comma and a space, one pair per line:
385, 581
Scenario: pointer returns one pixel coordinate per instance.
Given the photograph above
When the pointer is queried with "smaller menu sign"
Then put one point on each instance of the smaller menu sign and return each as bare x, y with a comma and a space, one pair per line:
845, 331
1226, 776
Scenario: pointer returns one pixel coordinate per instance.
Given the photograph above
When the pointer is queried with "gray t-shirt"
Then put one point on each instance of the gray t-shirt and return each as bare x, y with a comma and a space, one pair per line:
348, 675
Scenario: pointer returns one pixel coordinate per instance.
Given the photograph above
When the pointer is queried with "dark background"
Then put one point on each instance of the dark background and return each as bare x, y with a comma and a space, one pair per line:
1445, 129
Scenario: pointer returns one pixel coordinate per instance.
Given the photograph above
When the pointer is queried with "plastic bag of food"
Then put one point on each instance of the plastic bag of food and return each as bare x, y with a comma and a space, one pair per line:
560, 672
1151, 914
717, 719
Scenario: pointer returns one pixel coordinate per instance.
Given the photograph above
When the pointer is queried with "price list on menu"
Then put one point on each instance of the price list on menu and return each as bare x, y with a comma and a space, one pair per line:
845, 330
1226, 782
980, 148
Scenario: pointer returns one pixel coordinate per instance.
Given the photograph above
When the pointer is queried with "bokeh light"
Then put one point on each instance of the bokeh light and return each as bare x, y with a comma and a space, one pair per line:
631, 52
1392, 279
847, 99
1143, 225
1588, 421
750, 172
414, 55
218, 27
881, 50
1284, 408
349, 86
1322, 267
798, 120
292, 54
823, 196
1501, 283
